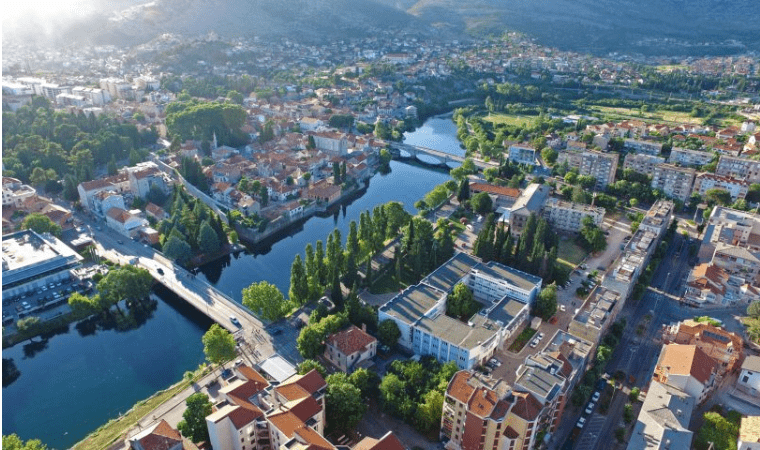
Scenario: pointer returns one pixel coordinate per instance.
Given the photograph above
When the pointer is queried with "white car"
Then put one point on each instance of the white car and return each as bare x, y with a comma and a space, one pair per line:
596, 396
581, 422
589, 408
534, 344
562, 308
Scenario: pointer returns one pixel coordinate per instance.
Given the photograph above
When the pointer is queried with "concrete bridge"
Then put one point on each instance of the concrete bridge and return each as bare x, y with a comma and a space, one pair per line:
436, 157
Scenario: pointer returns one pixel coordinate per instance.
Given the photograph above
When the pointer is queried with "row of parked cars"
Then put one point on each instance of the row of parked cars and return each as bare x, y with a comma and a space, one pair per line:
589, 409
537, 339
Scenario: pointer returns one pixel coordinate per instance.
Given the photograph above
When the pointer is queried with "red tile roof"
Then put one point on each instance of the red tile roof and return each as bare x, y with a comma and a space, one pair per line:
311, 382
163, 437
686, 360
459, 388
526, 406
351, 340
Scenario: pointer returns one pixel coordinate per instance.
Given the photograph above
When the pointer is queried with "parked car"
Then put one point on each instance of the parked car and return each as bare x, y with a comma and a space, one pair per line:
581, 422
596, 396
589, 408
540, 335
534, 344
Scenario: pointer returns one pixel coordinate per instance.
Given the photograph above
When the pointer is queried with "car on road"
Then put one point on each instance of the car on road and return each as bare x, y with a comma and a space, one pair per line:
595, 397
589, 408
234, 320
581, 422
495, 362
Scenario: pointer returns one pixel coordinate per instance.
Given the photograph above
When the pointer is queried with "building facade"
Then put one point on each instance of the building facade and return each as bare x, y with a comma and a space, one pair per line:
673, 181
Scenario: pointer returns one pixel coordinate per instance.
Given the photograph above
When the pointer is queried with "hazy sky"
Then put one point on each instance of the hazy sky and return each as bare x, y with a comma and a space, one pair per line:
43, 16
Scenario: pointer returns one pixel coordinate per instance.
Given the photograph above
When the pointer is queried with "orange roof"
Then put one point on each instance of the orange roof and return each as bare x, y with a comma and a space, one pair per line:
687, 360
253, 376
387, 442
306, 408
459, 388
163, 437
526, 406
292, 392
351, 340
314, 439
286, 422
483, 402
498, 190
244, 414
311, 382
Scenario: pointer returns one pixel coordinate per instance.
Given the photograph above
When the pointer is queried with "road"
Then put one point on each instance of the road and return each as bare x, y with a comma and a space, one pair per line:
639, 348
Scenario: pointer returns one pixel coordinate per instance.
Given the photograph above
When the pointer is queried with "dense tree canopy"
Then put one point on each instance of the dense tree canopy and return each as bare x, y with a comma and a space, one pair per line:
218, 345
41, 224
193, 423
266, 300
199, 120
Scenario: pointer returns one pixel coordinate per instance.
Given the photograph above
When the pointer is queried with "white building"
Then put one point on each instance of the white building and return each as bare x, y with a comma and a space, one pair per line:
741, 168
749, 378
522, 154
124, 222
638, 146
688, 368
568, 216
673, 181
736, 187
15, 192
692, 158
642, 163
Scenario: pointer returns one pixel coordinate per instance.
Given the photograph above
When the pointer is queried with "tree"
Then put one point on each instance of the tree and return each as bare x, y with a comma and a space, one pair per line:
464, 190
82, 305
336, 173
266, 300
344, 403
208, 241
13, 442
721, 431
549, 155
717, 196
29, 325
235, 97
299, 283
546, 304
127, 283
218, 345
388, 332
461, 302
41, 223
193, 423
753, 310
307, 365
177, 249
430, 410
392, 393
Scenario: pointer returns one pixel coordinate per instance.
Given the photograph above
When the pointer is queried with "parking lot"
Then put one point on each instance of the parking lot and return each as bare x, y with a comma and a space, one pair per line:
50, 299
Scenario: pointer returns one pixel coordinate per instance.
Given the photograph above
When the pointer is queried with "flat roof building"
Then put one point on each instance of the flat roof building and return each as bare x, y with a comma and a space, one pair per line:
31, 259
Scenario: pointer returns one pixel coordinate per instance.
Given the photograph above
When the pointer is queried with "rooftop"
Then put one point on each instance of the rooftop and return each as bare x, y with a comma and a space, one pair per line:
450, 273
413, 302
351, 340
663, 419
27, 254
512, 276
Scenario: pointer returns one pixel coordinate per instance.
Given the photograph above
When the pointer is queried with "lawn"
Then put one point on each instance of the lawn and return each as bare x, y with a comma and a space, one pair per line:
522, 339
618, 113
508, 119
570, 253
389, 283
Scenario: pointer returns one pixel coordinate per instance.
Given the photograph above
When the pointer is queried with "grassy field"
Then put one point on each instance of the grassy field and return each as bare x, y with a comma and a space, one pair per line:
616, 113
115, 429
509, 119
570, 252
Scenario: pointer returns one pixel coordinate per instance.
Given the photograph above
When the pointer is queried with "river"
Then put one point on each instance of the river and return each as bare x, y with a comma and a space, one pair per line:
72, 383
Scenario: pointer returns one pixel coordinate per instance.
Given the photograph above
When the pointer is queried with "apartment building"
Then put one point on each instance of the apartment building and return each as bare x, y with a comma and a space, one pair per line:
733, 227
724, 347
689, 158
482, 413
522, 154
547, 377
419, 311
639, 146
706, 181
642, 163
736, 167
15, 192
596, 315
663, 421
738, 261
568, 216
601, 166
675, 182
749, 433
530, 201
749, 377
688, 368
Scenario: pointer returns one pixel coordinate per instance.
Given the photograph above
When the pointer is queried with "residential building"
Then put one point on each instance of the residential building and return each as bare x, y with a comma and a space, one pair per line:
639, 146
568, 216
663, 421
124, 222
738, 261
741, 168
706, 284
688, 368
331, 141
658, 217
160, 436
388, 442
547, 376
419, 311
725, 347
350, 348
690, 158
324, 191
673, 181
530, 201
15, 192
31, 260
749, 377
749, 433
642, 163
733, 227
596, 315
481, 413
522, 154
706, 181
143, 177
601, 166
156, 212
117, 184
